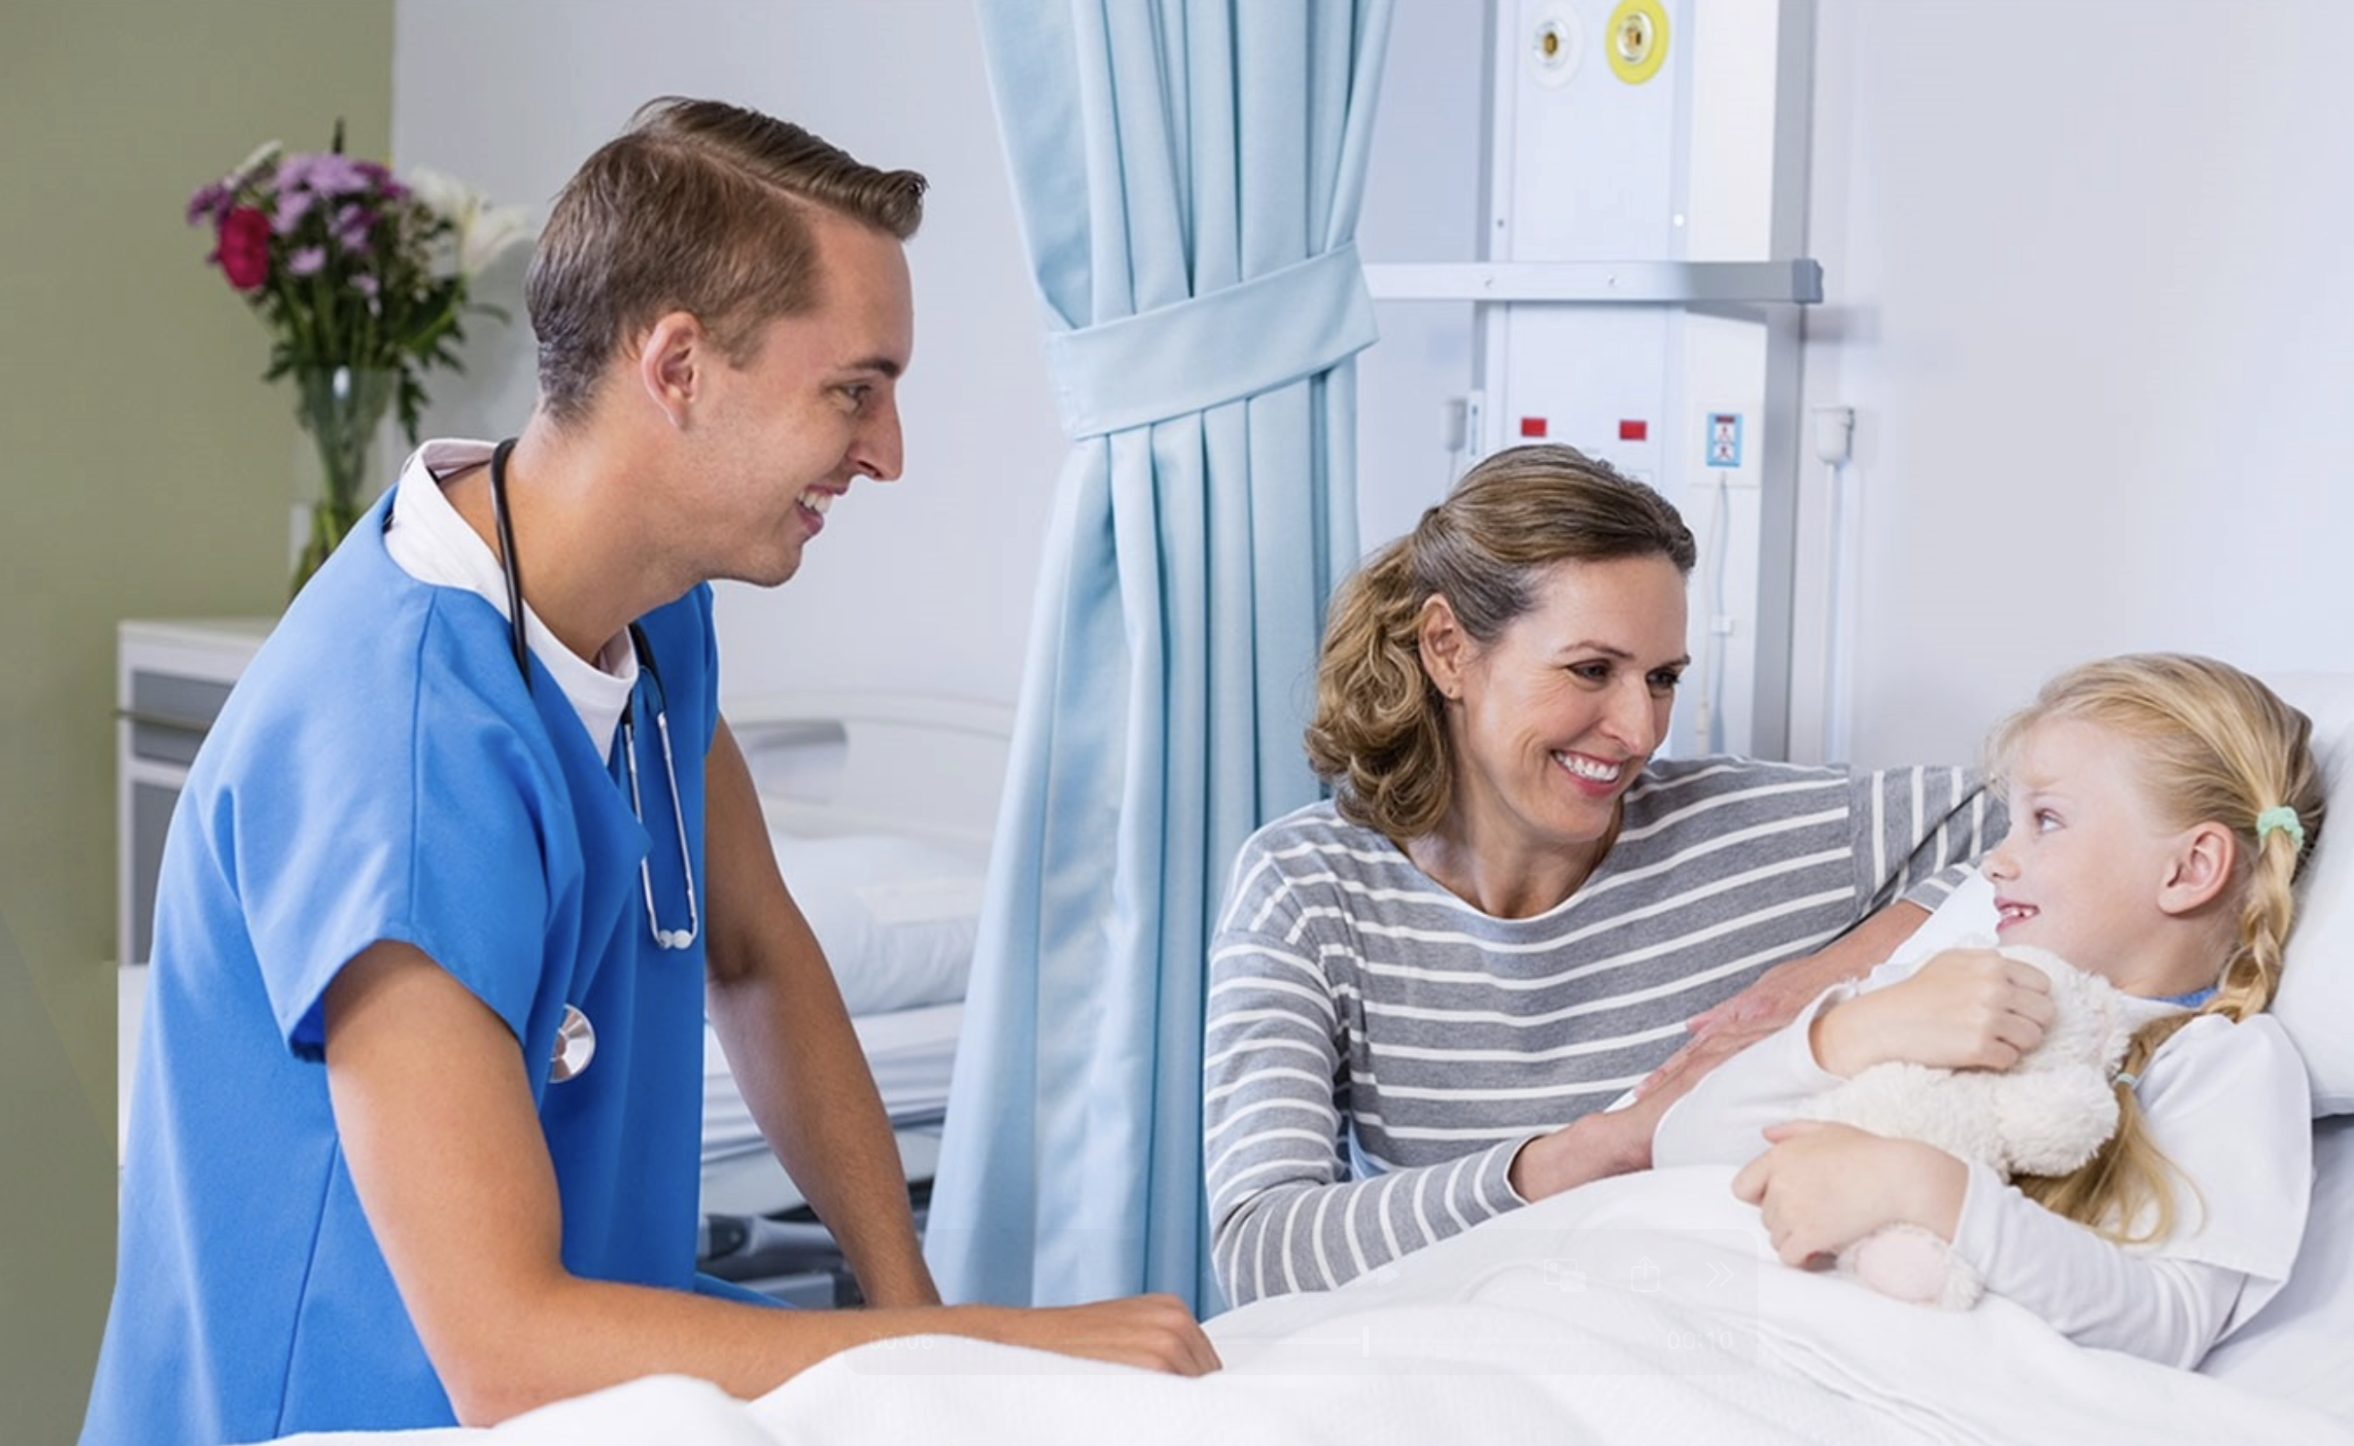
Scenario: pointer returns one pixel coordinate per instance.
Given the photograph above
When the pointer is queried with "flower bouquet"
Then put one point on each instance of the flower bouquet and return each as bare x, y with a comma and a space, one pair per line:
362, 281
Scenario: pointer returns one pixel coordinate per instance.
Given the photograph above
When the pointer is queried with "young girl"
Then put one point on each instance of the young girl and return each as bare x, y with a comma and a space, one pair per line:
2161, 808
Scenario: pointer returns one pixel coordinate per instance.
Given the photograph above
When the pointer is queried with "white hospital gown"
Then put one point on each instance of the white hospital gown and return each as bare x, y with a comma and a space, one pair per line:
2226, 1103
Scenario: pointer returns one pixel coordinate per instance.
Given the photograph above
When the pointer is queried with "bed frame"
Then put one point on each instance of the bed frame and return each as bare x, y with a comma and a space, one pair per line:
920, 765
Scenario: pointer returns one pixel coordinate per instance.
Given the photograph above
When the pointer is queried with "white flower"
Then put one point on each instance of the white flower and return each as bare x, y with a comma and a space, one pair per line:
262, 155
493, 231
444, 195
484, 232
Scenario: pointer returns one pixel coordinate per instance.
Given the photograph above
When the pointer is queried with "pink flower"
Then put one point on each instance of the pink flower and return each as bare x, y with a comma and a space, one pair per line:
244, 251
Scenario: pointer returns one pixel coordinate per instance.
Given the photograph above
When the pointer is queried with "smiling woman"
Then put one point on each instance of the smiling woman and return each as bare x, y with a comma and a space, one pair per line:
1424, 992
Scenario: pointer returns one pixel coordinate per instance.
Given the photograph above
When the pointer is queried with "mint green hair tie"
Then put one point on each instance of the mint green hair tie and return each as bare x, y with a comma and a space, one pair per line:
2280, 820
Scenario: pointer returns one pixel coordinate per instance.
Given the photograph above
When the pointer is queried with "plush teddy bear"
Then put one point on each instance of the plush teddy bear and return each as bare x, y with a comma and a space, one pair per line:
2046, 1115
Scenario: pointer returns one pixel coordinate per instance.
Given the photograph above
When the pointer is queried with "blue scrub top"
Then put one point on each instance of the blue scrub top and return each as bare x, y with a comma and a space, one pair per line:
381, 773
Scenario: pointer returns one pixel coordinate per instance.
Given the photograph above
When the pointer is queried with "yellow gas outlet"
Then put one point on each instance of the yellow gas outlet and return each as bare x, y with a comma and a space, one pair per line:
1637, 40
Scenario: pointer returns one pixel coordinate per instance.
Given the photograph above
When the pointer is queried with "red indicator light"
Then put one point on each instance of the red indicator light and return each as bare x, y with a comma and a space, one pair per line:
1634, 431
1532, 426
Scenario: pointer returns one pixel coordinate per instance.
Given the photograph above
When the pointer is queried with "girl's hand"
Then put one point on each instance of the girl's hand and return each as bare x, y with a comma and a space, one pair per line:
1965, 1009
1823, 1187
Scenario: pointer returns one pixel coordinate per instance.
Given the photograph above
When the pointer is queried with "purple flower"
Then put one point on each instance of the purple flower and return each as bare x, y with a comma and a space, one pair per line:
324, 172
292, 207
307, 261
208, 203
351, 227
365, 285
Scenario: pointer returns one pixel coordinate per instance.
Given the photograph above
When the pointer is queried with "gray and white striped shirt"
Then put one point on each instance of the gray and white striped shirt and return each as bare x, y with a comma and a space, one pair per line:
1378, 1049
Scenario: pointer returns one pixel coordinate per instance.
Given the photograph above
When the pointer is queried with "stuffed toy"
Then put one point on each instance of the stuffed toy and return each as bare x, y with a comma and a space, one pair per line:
2046, 1115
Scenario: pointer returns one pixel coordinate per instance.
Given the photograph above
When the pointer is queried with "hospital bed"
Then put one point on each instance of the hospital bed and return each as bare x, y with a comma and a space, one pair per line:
1639, 1309
1632, 1311
880, 808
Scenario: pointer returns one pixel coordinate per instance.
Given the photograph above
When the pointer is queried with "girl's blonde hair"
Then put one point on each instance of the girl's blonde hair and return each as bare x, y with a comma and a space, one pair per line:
2213, 745
1379, 737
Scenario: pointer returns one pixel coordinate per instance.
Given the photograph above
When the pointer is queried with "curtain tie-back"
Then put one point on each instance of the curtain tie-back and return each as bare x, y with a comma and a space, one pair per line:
1206, 351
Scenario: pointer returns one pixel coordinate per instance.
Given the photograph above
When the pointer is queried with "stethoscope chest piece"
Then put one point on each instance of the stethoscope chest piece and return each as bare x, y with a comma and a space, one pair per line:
576, 1045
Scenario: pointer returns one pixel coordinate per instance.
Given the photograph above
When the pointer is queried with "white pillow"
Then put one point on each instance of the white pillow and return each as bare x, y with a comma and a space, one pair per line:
2295, 1347
2316, 1003
896, 916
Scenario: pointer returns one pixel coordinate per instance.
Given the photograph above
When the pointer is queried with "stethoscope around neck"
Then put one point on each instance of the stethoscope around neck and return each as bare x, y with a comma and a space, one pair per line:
576, 1038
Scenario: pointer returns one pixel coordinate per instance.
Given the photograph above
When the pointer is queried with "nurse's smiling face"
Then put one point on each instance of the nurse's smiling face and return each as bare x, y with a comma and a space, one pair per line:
813, 410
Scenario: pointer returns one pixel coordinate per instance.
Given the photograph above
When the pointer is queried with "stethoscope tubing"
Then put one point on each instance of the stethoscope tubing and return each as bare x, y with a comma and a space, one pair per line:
576, 1039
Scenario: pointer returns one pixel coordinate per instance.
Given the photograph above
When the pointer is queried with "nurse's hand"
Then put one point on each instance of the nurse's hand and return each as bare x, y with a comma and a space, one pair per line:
1155, 1332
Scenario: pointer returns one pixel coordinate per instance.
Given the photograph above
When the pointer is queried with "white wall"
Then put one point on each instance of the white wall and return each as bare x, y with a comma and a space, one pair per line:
2087, 293
1422, 203
925, 584
2089, 289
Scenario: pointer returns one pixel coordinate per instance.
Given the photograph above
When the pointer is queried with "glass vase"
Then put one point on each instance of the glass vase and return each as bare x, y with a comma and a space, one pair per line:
342, 412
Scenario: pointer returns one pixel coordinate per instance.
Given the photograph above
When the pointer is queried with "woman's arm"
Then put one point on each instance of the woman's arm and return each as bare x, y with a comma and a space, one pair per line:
1777, 997
1284, 1215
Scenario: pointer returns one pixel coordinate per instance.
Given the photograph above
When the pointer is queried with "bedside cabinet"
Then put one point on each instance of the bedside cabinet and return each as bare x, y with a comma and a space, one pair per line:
171, 679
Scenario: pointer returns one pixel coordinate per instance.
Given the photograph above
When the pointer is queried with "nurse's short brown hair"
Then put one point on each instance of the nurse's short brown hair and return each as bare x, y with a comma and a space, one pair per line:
701, 207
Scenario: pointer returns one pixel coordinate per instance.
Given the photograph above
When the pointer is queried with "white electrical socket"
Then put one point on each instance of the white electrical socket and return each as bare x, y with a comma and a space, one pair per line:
1834, 435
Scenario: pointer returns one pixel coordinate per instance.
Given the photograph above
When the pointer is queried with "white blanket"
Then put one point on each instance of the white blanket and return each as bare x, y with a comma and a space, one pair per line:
1642, 1309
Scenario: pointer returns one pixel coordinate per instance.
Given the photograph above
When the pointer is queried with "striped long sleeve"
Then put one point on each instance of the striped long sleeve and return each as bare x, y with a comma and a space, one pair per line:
1286, 1215
1378, 1050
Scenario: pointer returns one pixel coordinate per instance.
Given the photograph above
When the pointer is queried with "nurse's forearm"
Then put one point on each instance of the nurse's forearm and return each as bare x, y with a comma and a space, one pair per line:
789, 1042
575, 1336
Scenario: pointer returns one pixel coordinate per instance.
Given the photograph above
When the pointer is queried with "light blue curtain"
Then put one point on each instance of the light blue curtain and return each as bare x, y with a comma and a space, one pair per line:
1189, 174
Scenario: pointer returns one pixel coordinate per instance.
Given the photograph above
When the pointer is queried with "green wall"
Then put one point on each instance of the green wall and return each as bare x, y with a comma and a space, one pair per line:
145, 471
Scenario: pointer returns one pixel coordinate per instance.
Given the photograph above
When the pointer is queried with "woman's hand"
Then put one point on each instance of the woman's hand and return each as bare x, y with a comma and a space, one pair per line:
1778, 994
1596, 1147
1822, 1187
1775, 999
1965, 1009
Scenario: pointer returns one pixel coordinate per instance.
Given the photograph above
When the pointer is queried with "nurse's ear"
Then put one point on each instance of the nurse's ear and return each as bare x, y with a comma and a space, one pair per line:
1444, 645
674, 364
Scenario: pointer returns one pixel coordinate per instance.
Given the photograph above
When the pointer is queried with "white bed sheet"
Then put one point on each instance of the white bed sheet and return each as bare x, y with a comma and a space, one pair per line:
1638, 1310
